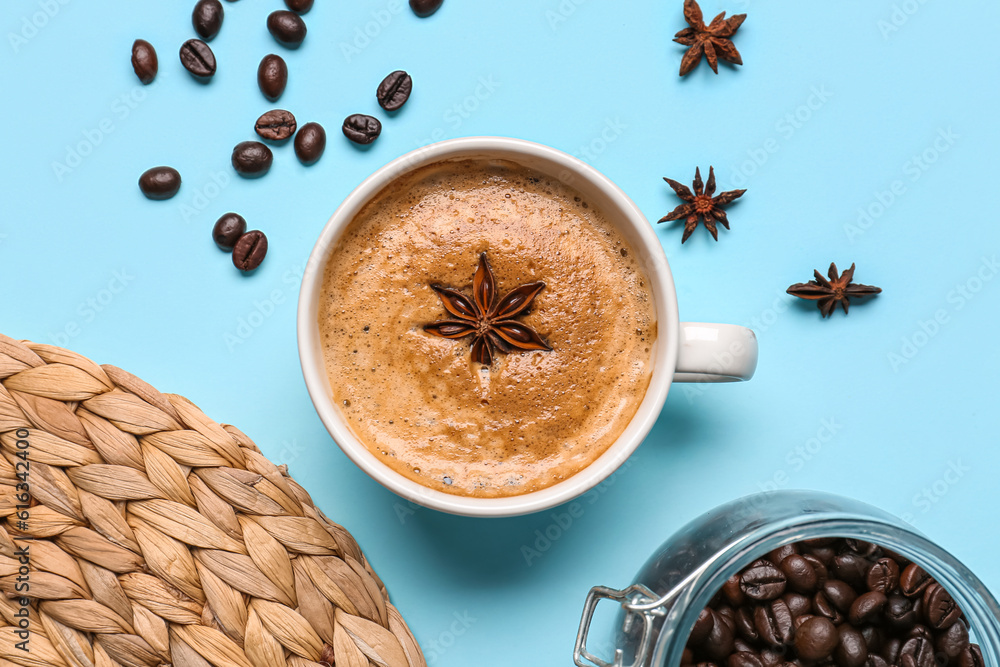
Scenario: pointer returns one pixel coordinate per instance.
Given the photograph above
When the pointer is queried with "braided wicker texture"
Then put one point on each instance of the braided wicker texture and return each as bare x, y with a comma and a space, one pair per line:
155, 536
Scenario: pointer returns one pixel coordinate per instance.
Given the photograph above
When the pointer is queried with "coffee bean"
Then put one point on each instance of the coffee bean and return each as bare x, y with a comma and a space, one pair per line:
914, 580
825, 555
891, 649
198, 59
740, 646
745, 627
851, 649
744, 659
362, 129
797, 603
861, 548
719, 643
799, 620
310, 143
875, 660
773, 658
287, 28
781, 553
763, 581
867, 608
249, 251
228, 230
840, 594
822, 606
300, 6
822, 574
207, 18
687, 657
727, 612
424, 8
144, 61
901, 612
252, 159
275, 125
920, 630
774, 623
800, 574
883, 575
851, 568
952, 641
160, 183
972, 656
394, 90
920, 650
940, 609
816, 639
702, 628
873, 638
272, 76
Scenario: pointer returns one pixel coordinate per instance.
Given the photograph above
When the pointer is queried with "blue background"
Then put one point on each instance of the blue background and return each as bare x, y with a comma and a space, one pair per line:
838, 106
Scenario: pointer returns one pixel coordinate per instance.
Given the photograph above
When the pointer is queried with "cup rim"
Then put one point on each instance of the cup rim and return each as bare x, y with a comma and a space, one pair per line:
664, 357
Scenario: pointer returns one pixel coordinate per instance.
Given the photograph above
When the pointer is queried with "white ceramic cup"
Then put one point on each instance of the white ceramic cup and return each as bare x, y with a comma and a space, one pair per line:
684, 352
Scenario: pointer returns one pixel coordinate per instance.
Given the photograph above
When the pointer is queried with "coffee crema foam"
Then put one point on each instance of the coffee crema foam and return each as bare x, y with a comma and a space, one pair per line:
417, 401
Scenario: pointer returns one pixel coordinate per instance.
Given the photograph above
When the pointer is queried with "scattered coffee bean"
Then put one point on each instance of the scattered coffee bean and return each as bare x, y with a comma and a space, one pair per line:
252, 159
272, 76
249, 251
362, 129
300, 6
883, 575
940, 609
310, 143
198, 59
275, 125
816, 639
160, 183
287, 28
144, 61
424, 8
207, 18
763, 581
228, 230
394, 90
831, 603
914, 580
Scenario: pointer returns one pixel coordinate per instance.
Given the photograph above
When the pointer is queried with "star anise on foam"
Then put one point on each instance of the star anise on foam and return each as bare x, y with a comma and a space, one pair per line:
840, 288
701, 203
712, 40
488, 318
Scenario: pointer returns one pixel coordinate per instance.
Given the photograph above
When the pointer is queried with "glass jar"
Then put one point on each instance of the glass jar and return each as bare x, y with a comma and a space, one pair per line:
659, 610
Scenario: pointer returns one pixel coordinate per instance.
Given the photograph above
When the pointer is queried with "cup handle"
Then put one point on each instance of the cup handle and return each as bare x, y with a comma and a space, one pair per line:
716, 353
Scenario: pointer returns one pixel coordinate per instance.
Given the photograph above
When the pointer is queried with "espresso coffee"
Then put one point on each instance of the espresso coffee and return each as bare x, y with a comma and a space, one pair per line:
418, 401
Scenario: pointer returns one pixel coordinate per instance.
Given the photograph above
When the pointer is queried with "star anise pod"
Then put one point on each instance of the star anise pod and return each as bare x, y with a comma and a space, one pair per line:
838, 289
488, 318
712, 40
701, 203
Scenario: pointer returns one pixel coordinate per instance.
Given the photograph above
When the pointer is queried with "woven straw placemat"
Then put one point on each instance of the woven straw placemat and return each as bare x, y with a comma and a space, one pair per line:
138, 532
